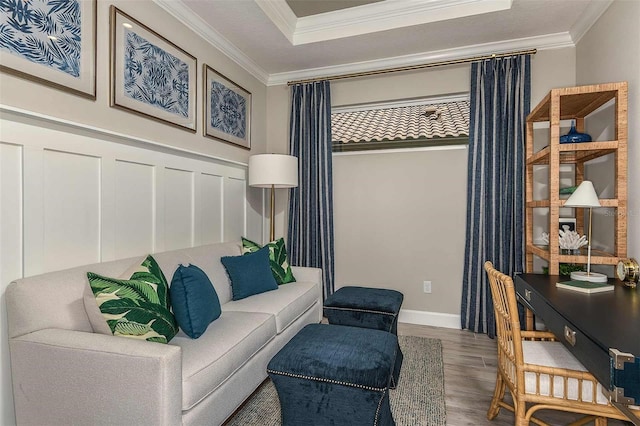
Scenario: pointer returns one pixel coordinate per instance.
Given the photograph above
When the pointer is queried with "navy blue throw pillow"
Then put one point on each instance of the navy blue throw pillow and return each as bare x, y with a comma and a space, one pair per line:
194, 300
249, 274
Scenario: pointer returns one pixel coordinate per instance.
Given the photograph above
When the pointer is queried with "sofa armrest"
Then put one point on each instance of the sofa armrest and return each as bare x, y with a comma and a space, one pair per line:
73, 377
311, 275
306, 274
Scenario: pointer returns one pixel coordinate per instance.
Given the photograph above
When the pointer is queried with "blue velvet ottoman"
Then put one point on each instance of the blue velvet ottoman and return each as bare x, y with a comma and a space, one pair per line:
374, 308
335, 375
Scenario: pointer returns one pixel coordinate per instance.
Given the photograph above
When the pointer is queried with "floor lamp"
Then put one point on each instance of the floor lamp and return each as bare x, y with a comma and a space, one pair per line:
585, 196
273, 171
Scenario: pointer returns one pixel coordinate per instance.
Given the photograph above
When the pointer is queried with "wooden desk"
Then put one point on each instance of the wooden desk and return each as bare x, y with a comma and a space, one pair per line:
590, 325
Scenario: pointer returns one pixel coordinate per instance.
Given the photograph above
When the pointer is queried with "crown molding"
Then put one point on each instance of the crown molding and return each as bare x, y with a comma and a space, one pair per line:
188, 17
370, 18
589, 17
545, 42
388, 15
552, 41
279, 12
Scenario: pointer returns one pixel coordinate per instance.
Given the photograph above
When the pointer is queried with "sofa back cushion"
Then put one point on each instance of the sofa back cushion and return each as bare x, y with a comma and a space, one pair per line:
55, 299
206, 258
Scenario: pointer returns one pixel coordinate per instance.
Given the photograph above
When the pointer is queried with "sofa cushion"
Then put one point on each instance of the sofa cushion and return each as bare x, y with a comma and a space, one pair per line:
139, 307
278, 259
208, 259
230, 341
250, 274
286, 304
194, 300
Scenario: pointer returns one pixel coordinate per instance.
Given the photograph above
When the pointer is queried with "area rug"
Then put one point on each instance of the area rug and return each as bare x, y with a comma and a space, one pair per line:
418, 400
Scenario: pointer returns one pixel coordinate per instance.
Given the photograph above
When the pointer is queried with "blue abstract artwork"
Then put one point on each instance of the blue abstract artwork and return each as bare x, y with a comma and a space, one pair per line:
228, 111
154, 76
43, 32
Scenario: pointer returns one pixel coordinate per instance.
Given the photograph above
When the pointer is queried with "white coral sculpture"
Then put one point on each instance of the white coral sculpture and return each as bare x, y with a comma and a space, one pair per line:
570, 240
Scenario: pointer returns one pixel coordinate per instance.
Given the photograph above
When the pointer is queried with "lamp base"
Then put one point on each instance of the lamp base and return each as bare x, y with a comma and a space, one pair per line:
593, 277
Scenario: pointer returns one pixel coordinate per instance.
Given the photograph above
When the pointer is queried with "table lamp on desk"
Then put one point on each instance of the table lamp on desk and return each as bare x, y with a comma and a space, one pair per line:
585, 196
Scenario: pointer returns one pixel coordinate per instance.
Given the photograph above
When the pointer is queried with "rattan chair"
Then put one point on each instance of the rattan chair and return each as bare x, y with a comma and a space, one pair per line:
539, 372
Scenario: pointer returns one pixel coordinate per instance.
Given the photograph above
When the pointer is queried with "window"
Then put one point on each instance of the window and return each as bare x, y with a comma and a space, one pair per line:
405, 124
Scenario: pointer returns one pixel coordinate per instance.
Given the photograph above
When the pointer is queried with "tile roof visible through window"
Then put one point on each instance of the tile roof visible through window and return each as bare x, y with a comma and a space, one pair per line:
400, 125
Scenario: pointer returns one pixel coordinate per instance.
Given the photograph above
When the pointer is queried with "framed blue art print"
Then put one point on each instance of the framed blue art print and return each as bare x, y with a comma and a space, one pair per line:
150, 75
227, 109
50, 42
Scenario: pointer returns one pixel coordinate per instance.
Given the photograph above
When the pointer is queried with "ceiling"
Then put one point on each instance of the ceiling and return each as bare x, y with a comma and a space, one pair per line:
278, 40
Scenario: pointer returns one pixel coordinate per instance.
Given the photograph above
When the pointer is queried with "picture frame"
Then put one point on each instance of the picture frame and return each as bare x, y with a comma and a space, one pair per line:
62, 56
227, 109
150, 75
568, 221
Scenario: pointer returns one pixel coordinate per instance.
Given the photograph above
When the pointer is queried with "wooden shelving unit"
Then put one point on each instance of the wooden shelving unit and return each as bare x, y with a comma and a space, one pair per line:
576, 103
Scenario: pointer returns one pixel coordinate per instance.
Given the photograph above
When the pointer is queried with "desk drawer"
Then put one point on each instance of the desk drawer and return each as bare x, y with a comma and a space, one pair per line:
595, 358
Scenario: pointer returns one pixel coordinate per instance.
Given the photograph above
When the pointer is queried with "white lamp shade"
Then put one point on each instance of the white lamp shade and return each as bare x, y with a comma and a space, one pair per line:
584, 196
279, 170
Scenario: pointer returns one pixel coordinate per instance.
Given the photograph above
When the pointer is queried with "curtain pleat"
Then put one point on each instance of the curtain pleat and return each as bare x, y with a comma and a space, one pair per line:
500, 102
310, 236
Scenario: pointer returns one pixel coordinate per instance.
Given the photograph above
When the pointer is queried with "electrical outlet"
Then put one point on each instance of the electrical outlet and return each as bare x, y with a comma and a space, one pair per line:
427, 286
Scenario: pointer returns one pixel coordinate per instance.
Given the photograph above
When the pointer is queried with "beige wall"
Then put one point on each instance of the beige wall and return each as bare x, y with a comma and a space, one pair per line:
400, 218
610, 51
23, 94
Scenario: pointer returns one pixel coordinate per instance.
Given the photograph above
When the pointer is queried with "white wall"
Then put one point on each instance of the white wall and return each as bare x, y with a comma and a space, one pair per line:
403, 188
608, 52
181, 199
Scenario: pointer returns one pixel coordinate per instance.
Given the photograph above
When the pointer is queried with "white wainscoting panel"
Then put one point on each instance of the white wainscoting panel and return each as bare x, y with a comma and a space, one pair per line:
71, 209
134, 208
71, 195
178, 208
211, 213
234, 211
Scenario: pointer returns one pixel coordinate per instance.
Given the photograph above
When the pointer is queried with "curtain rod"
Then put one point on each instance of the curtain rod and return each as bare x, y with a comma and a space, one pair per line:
414, 67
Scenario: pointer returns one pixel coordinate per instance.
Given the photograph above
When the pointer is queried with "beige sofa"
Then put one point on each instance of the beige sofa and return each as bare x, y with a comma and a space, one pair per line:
64, 373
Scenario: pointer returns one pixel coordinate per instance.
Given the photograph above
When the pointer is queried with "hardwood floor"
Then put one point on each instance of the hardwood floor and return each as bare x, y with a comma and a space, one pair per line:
470, 373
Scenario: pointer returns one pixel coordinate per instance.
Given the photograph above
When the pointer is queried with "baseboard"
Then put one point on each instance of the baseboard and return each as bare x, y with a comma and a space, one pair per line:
435, 319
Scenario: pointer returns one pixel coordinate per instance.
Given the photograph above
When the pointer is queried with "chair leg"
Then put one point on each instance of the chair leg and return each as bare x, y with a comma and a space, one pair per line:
498, 395
601, 421
520, 413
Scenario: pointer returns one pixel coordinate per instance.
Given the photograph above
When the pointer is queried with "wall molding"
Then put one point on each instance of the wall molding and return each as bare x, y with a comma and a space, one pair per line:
546, 42
588, 18
115, 136
188, 17
434, 319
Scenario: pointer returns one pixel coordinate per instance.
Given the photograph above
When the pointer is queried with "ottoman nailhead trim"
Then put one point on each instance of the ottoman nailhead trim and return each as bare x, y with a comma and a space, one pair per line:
375, 421
320, 379
362, 310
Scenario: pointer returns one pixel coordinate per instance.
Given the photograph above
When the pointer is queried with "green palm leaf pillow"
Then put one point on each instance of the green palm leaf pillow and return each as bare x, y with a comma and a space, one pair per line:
138, 307
278, 260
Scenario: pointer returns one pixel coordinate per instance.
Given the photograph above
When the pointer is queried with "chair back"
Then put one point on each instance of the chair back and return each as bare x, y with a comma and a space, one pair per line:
505, 307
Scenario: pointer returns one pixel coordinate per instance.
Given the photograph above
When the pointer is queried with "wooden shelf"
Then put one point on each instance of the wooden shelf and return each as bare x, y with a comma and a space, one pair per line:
598, 257
576, 103
535, 204
572, 153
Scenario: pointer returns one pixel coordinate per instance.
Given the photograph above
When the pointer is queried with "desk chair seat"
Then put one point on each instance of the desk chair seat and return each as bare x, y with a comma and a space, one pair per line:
555, 355
539, 372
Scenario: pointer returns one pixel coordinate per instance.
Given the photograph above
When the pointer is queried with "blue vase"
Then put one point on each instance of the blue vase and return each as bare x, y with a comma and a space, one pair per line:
574, 136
